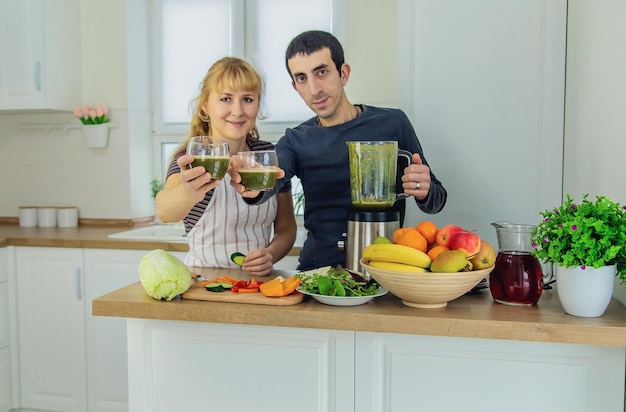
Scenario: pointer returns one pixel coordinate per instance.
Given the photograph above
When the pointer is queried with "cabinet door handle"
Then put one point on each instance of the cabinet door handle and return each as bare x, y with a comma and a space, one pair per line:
79, 294
38, 75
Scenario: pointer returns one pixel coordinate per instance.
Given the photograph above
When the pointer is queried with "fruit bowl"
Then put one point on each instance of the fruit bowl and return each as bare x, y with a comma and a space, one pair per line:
428, 289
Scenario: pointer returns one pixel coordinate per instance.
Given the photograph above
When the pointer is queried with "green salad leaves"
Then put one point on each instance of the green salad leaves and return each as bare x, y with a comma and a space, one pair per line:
337, 282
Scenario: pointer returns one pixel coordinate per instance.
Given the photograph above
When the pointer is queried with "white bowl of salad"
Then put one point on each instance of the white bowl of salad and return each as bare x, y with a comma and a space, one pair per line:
339, 286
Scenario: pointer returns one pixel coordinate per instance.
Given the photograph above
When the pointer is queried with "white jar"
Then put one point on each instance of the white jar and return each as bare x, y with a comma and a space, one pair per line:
67, 216
28, 216
47, 216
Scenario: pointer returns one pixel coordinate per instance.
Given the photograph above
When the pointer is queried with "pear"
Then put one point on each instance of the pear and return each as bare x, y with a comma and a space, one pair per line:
486, 256
381, 240
449, 261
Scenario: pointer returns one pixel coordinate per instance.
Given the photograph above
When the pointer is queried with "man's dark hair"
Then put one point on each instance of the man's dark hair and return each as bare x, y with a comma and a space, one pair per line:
312, 41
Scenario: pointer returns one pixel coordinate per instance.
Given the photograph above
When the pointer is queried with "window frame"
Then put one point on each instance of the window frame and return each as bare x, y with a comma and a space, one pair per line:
164, 133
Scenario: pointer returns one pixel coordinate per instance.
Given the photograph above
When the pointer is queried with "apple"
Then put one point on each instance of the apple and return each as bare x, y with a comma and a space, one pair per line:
445, 233
468, 242
486, 256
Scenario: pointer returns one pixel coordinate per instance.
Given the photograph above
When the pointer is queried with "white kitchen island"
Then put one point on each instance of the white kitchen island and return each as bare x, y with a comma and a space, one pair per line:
474, 355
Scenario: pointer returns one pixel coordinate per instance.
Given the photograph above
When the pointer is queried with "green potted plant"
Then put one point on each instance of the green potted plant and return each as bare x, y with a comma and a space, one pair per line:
156, 186
583, 240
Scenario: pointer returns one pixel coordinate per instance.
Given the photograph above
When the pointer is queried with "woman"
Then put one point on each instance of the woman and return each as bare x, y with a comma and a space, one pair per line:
217, 220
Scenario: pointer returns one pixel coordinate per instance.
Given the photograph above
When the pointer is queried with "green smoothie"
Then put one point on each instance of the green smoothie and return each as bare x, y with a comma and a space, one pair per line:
373, 174
258, 178
216, 165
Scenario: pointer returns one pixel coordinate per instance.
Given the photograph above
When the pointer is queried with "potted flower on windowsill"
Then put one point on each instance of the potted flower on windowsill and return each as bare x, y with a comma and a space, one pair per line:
95, 124
586, 242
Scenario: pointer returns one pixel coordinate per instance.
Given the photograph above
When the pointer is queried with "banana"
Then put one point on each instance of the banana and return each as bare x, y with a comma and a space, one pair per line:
398, 254
401, 267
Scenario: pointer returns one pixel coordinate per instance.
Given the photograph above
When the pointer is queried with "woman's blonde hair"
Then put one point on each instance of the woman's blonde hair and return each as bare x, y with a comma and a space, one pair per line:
227, 73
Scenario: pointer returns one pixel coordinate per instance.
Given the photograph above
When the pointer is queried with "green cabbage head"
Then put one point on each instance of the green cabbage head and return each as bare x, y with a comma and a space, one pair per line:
163, 275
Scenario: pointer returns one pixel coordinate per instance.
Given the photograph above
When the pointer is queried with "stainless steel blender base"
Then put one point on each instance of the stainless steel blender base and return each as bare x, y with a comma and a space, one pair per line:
363, 228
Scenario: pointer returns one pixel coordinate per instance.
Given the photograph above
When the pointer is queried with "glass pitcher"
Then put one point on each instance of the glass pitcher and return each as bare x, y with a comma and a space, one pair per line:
517, 278
373, 167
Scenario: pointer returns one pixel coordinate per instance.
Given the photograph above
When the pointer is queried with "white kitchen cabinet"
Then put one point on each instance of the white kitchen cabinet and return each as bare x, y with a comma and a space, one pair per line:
107, 367
69, 360
439, 374
4, 300
39, 54
5, 354
51, 323
206, 366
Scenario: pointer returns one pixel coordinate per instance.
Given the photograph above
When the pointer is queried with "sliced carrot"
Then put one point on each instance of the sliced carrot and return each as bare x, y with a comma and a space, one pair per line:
228, 279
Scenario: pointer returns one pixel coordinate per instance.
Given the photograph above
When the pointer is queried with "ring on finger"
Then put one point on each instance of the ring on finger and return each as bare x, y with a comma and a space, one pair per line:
417, 185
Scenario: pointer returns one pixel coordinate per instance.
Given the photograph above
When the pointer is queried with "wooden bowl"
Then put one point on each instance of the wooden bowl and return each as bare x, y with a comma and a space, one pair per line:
426, 290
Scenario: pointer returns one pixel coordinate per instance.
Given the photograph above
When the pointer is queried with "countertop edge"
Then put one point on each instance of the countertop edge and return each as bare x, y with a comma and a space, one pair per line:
467, 318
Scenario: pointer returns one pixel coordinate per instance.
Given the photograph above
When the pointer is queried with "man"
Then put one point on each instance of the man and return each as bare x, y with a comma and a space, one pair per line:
317, 153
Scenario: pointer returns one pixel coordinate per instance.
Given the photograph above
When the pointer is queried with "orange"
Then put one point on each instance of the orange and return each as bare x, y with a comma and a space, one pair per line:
436, 250
429, 230
414, 239
398, 232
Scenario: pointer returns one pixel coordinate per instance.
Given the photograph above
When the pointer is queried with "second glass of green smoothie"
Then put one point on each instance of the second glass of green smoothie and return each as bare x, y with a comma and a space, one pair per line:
258, 169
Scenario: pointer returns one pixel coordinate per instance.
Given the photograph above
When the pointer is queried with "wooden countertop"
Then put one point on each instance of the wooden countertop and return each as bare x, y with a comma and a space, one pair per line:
470, 316
79, 237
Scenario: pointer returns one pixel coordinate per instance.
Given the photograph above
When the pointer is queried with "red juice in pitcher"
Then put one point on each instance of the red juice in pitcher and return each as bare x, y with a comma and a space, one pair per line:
516, 279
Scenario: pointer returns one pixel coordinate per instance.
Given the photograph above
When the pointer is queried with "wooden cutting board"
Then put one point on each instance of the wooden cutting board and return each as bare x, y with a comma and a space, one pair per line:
197, 292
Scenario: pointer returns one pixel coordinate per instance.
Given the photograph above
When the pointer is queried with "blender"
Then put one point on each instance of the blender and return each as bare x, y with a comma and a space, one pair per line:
373, 168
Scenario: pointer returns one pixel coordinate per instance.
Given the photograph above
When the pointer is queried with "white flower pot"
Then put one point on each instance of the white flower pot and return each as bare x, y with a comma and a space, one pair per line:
585, 292
96, 135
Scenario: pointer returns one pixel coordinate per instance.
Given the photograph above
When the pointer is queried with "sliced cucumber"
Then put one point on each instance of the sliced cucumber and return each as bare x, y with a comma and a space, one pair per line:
218, 286
238, 258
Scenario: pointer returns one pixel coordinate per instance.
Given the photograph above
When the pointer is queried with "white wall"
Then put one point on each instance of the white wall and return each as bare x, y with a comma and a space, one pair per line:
595, 105
114, 182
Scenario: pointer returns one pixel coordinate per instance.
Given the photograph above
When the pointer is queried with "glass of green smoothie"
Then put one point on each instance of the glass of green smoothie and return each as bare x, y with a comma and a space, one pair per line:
258, 169
211, 153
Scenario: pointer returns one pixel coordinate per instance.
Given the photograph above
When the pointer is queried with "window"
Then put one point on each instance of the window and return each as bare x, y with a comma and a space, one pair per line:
189, 35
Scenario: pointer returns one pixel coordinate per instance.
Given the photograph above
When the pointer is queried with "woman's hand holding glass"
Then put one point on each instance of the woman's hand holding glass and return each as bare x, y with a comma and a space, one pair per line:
203, 165
195, 180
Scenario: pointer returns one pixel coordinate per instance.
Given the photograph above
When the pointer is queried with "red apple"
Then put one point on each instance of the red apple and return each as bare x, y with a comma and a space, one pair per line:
468, 242
445, 233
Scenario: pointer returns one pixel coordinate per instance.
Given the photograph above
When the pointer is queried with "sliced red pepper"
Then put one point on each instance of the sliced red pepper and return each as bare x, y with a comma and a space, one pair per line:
248, 290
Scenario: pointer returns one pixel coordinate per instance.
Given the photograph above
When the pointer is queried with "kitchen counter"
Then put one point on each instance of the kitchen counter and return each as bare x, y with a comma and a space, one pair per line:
468, 316
86, 237
366, 358
474, 316
79, 237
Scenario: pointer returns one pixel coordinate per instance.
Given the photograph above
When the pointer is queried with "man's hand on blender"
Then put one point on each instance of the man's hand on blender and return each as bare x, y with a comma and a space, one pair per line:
416, 178
235, 178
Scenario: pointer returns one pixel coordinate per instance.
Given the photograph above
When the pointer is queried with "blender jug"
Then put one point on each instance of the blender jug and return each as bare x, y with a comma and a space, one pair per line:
373, 167
517, 278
